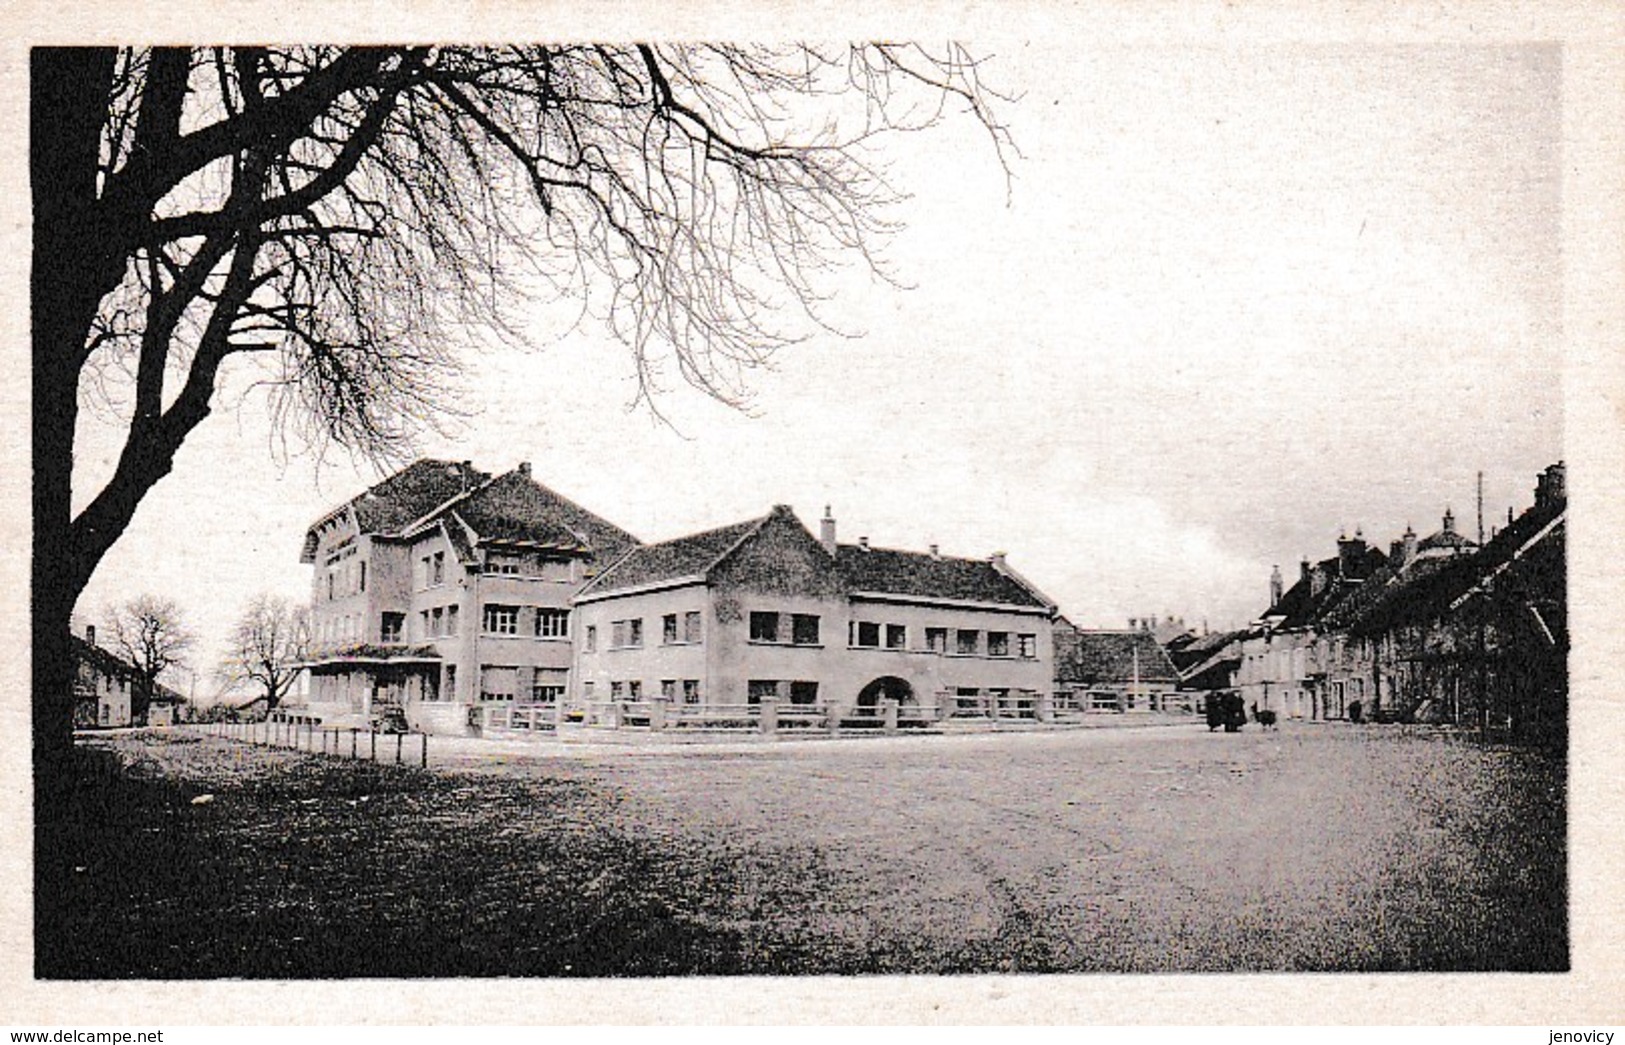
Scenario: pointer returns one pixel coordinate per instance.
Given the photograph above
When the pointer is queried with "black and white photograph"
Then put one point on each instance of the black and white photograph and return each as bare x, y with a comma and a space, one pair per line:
1055, 516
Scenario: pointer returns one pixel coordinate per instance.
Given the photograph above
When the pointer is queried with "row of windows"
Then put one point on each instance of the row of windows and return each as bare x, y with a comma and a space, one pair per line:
675, 629
632, 690
511, 564
545, 622
499, 682
339, 629
799, 629
968, 642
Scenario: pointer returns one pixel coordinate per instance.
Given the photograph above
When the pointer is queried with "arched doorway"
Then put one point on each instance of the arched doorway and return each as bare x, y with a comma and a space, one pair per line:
887, 686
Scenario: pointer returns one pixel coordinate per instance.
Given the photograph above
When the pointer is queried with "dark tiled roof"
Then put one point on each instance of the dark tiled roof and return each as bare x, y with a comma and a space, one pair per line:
412, 493
511, 507
1429, 595
514, 507
668, 560
1308, 601
1089, 657
925, 576
1198, 648
102, 660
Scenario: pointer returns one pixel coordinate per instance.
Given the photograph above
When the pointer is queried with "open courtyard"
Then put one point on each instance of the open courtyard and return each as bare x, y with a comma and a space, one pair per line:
1324, 847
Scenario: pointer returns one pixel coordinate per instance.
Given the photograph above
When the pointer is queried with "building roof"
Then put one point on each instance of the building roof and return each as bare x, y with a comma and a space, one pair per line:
924, 576
665, 561
854, 568
1419, 595
475, 507
103, 660
1095, 657
515, 508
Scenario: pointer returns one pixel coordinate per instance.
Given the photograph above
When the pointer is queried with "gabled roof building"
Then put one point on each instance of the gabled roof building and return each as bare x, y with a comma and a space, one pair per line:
763, 611
444, 587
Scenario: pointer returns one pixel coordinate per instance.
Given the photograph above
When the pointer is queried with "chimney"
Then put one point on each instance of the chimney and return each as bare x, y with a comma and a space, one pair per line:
1350, 552
1410, 544
1552, 486
997, 561
1303, 569
936, 552
524, 469
863, 542
90, 634
1449, 521
826, 531
1276, 588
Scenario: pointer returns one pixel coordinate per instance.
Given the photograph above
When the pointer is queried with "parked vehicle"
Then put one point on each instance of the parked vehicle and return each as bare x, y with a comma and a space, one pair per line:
390, 720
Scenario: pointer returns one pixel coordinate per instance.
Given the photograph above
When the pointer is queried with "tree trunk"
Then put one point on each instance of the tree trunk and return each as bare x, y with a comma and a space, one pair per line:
71, 270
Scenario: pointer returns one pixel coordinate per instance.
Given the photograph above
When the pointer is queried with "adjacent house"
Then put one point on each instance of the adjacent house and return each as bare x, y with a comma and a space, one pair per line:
102, 685
1124, 671
444, 590
715, 623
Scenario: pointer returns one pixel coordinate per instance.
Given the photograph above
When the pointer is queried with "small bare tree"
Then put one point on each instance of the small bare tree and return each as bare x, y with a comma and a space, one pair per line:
151, 633
268, 648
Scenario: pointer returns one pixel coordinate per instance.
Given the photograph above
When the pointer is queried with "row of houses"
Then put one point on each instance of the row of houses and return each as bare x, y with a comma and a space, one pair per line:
455, 595
1439, 628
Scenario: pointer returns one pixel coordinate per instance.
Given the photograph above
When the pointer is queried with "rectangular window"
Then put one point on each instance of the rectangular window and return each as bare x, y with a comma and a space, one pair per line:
968, 642
424, 631
587, 689
998, 643
668, 689
498, 683
437, 569
634, 690
552, 624
626, 633
545, 689
501, 620
691, 691
589, 642
691, 626
764, 626
451, 620
503, 564
423, 572
804, 629
617, 691
1027, 646
437, 621
668, 629
363, 576
451, 682
803, 692
896, 636
758, 690
868, 633
936, 640
389, 629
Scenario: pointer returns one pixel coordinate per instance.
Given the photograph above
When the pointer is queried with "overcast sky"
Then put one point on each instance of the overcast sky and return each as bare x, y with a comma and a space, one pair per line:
1234, 302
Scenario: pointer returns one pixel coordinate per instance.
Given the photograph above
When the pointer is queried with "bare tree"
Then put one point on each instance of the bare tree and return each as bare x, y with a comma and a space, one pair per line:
151, 633
332, 221
268, 647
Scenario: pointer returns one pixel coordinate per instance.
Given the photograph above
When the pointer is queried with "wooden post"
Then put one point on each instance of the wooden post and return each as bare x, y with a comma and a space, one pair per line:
352, 741
423, 760
399, 739
372, 739
888, 709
